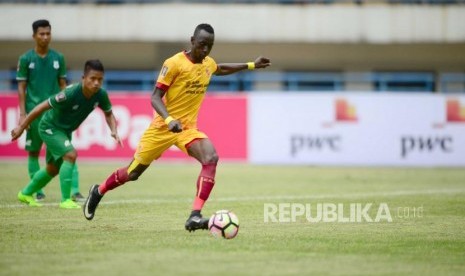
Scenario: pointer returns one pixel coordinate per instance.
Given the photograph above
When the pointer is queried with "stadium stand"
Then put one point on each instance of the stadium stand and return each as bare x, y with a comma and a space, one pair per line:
427, 82
359, 2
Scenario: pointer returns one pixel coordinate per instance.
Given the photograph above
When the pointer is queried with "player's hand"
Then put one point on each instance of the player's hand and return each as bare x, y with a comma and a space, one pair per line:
16, 133
22, 118
262, 62
175, 126
117, 139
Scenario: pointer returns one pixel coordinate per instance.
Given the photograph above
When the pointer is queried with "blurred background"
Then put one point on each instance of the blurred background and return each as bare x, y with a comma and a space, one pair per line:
360, 82
315, 45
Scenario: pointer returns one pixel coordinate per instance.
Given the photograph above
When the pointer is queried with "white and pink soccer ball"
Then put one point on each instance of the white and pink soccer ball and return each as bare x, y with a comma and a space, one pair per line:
224, 224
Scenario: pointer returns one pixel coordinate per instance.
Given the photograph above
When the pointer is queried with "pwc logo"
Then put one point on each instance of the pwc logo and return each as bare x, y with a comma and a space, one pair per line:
443, 143
455, 113
344, 112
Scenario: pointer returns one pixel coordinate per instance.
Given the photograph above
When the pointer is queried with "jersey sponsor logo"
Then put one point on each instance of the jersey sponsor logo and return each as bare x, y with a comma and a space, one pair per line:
49, 131
60, 97
196, 87
28, 142
163, 71
56, 64
32, 65
75, 107
67, 143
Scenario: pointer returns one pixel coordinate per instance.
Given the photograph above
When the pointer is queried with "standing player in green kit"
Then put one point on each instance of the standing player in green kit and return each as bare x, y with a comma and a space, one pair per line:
41, 73
64, 112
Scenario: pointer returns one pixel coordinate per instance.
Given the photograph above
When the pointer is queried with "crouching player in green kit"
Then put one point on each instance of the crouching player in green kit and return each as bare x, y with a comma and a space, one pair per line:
65, 112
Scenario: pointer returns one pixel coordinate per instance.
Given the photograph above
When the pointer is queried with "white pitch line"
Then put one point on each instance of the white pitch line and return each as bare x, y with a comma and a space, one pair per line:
355, 195
266, 198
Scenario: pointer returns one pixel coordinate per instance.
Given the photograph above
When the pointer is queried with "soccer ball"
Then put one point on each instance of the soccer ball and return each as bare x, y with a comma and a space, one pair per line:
224, 224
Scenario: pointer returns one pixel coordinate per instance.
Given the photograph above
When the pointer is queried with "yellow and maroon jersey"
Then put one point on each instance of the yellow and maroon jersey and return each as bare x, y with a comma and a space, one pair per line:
185, 84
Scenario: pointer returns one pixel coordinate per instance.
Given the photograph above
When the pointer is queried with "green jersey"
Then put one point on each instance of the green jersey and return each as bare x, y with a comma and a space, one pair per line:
70, 108
42, 75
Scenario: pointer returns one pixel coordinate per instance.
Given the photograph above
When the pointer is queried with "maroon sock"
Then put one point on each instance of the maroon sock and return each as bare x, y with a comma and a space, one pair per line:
117, 178
205, 183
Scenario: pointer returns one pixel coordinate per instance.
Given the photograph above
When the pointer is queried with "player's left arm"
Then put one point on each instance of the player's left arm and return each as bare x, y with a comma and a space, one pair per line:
106, 107
62, 82
230, 68
111, 122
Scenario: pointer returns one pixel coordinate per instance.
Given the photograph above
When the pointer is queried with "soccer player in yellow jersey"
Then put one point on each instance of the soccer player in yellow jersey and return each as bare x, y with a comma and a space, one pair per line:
177, 97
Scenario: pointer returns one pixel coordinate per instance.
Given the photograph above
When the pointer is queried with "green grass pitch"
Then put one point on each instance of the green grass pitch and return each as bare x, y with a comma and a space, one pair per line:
139, 228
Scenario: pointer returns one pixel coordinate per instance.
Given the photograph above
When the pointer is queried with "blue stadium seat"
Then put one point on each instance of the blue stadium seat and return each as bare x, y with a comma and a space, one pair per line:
452, 82
404, 81
119, 80
314, 81
225, 83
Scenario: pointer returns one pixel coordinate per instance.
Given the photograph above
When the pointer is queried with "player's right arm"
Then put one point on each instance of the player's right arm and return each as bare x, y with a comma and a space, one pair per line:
166, 78
21, 76
36, 112
159, 106
22, 100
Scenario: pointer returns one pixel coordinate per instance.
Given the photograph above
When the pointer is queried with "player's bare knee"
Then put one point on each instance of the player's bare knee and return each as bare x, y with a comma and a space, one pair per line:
70, 156
211, 159
52, 170
34, 154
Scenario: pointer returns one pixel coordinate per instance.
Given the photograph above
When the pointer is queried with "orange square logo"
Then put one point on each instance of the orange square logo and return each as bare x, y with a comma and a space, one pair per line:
455, 112
345, 112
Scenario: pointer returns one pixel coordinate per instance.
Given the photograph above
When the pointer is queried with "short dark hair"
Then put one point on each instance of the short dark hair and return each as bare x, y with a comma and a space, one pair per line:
93, 64
40, 23
204, 26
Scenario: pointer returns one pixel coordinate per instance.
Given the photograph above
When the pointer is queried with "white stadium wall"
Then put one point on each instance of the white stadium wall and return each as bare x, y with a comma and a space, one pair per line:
337, 37
376, 23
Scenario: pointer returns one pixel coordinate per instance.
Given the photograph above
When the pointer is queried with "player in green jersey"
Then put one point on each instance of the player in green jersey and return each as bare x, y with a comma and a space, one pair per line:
41, 73
64, 112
